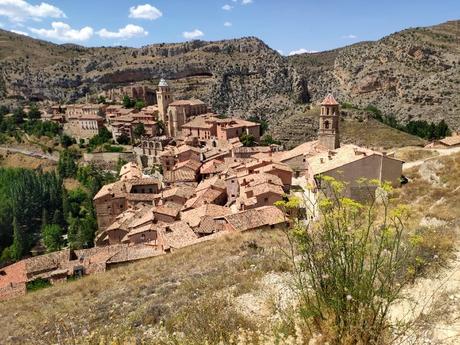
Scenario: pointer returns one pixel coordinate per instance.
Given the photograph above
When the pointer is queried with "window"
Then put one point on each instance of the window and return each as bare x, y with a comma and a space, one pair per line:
2, 273
326, 124
266, 199
143, 237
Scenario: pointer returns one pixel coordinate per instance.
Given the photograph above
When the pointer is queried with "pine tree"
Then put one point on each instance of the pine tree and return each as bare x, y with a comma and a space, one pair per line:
18, 246
44, 219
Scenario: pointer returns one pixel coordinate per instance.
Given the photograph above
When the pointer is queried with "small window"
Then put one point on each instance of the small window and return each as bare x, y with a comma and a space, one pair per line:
2, 273
143, 236
266, 199
121, 205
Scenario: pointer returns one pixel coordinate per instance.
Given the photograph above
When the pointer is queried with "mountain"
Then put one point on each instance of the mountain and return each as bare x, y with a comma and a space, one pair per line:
411, 74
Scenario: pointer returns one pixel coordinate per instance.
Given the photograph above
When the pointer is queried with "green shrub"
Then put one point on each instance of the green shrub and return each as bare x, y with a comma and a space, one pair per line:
37, 284
350, 264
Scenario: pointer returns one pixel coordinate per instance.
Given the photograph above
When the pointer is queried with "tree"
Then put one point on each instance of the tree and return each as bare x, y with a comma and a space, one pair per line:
18, 116
4, 110
66, 164
44, 219
67, 141
263, 123
58, 218
123, 139
247, 139
139, 130
101, 100
128, 102
161, 127
19, 242
268, 140
52, 237
34, 113
139, 104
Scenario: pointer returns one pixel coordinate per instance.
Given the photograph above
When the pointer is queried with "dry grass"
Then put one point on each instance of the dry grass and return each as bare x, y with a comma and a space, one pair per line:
18, 160
429, 198
411, 154
189, 293
374, 134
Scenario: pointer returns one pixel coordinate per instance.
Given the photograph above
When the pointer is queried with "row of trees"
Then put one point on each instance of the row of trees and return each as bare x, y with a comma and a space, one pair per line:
421, 128
35, 206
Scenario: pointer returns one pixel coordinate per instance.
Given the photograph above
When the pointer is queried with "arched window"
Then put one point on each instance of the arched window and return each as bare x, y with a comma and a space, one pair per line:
326, 124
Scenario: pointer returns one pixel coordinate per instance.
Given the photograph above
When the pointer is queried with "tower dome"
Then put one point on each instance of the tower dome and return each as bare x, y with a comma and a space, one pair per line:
163, 83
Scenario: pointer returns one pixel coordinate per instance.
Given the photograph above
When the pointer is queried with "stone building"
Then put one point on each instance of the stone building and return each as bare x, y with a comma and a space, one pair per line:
130, 190
210, 126
83, 126
150, 149
175, 113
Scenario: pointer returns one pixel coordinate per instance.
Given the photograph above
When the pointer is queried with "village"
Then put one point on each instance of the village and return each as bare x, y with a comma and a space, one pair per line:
206, 184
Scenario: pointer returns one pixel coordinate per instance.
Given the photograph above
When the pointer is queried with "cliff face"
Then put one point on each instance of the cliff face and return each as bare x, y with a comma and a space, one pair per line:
411, 74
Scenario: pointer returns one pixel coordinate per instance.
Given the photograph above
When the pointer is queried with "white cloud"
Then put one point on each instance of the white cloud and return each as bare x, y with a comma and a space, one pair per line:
228, 24
128, 31
279, 51
145, 12
20, 10
227, 7
20, 32
63, 32
301, 51
350, 36
246, 2
193, 34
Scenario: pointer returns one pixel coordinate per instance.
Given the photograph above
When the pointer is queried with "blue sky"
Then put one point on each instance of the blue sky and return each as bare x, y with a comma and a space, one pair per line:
286, 25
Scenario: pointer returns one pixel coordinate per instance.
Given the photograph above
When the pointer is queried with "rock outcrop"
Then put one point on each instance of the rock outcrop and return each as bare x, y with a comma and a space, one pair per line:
413, 74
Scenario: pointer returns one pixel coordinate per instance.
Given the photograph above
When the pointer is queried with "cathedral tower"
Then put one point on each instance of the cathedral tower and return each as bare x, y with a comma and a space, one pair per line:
164, 97
329, 123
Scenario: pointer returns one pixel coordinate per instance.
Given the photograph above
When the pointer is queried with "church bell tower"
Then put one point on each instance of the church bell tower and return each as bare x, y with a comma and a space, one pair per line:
329, 118
164, 98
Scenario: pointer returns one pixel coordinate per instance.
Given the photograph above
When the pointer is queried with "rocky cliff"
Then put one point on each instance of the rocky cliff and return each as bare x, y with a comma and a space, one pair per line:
410, 74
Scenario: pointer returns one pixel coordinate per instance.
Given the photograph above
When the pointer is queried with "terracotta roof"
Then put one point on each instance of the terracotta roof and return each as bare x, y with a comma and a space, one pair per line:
255, 218
194, 216
211, 167
189, 164
209, 225
180, 102
208, 196
333, 159
329, 100
260, 178
182, 191
213, 182
203, 121
305, 149
179, 176
275, 166
177, 235
264, 188
169, 209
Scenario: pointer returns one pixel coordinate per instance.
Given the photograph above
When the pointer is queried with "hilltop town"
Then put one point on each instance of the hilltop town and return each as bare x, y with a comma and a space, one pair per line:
195, 176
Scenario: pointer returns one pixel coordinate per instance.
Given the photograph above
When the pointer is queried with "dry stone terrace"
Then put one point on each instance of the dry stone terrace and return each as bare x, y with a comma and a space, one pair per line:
210, 185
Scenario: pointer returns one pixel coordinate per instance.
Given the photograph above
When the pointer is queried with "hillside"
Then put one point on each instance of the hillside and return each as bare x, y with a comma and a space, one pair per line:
208, 291
410, 74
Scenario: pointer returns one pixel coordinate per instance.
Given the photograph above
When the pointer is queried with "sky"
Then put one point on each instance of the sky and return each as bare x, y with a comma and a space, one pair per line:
289, 26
